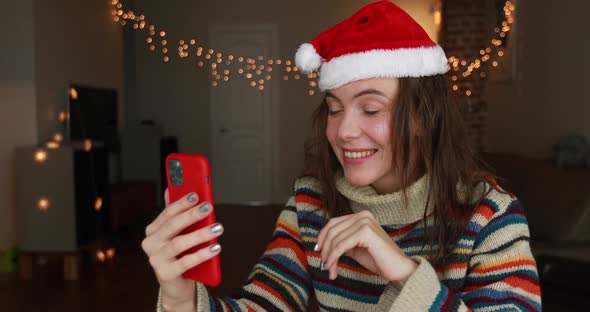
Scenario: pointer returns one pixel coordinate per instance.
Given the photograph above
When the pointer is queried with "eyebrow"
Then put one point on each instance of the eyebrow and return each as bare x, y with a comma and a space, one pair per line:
364, 92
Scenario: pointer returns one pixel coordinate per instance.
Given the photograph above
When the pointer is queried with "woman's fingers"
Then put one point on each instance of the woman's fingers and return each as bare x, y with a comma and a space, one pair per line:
182, 243
167, 231
166, 198
354, 236
172, 210
171, 269
325, 231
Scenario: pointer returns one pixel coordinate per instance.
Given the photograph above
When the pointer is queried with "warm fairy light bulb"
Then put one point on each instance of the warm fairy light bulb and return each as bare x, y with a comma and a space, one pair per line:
240, 59
240, 71
43, 204
253, 84
98, 204
200, 63
454, 78
88, 145
225, 78
248, 75
288, 69
100, 256
119, 5
285, 77
214, 83
165, 50
193, 42
58, 137
500, 53
260, 88
208, 56
149, 40
73, 94
152, 47
279, 62
164, 42
297, 77
258, 72
311, 92
40, 156
455, 87
468, 92
295, 68
110, 253
166, 59
52, 145
495, 63
288, 63
120, 12
269, 69
267, 77
312, 83
62, 117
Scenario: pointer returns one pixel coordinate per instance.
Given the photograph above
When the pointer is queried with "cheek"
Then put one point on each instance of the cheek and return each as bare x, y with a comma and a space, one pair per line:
380, 132
331, 132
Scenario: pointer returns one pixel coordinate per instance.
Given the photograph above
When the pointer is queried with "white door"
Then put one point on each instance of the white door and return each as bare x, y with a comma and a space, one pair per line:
244, 120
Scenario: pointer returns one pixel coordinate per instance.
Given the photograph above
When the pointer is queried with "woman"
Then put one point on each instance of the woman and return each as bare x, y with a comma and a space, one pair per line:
394, 213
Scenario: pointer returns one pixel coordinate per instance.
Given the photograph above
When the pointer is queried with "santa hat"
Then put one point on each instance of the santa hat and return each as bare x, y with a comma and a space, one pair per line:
380, 40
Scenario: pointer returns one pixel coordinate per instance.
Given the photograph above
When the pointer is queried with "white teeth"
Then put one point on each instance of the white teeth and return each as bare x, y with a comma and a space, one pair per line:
358, 154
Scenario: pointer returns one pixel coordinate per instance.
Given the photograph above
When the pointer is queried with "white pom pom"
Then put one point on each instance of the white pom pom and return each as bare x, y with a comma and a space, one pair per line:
307, 59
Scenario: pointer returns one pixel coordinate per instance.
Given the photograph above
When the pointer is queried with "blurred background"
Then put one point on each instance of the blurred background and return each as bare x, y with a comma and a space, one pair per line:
95, 94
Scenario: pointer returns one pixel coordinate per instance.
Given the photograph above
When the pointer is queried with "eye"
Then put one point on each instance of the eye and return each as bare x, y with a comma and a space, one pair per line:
371, 112
333, 112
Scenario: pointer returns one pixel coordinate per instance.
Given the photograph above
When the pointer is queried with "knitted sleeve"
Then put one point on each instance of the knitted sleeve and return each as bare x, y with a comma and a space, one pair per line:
501, 271
278, 282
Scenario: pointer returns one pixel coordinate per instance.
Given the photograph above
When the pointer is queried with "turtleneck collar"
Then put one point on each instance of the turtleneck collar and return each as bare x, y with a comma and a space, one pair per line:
391, 209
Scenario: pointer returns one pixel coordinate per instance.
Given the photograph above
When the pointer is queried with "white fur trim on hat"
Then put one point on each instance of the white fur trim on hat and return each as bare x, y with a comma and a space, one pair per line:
307, 58
411, 62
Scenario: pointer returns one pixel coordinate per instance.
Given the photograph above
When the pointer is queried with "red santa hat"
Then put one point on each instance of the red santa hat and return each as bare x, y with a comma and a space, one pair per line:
380, 40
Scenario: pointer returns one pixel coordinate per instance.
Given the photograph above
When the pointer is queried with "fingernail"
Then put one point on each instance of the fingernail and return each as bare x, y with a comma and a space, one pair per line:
215, 248
192, 197
204, 208
216, 228
322, 266
316, 247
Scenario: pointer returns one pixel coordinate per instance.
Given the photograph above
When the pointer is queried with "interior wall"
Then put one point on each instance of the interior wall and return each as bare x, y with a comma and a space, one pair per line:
18, 124
176, 94
546, 100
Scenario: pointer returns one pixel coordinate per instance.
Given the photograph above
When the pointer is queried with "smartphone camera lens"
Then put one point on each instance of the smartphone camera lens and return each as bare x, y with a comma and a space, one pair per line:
175, 172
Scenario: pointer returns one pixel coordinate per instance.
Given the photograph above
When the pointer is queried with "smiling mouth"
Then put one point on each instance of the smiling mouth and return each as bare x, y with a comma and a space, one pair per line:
359, 154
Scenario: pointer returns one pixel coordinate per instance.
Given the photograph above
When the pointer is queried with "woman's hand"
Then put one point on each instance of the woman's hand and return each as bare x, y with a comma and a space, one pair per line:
360, 237
162, 245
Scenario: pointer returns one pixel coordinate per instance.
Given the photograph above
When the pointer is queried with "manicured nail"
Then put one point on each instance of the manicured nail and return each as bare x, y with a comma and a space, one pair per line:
316, 247
322, 266
215, 248
216, 228
204, 208
192, 197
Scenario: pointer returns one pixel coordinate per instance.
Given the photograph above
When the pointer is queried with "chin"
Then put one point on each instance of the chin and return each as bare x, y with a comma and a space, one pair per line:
358, 179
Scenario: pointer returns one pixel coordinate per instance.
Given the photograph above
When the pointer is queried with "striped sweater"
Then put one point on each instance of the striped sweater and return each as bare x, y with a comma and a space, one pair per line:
490, 269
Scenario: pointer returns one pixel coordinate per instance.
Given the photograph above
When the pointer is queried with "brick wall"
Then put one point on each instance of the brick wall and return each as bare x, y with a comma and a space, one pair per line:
465, 31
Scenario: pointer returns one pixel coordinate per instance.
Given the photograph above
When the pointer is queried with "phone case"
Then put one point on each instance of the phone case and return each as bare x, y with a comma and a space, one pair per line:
196, 175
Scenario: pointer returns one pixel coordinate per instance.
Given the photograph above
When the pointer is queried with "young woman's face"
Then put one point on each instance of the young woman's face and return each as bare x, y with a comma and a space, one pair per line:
359, 130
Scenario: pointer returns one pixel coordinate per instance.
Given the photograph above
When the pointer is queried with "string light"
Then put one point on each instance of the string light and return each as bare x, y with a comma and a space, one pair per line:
98, 204
43, 204
40, 156
259, 65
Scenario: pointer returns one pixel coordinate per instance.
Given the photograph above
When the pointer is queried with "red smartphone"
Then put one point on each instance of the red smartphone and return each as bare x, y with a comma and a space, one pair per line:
188, 173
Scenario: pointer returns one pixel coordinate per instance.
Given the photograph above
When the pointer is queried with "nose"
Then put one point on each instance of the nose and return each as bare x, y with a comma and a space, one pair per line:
349, 127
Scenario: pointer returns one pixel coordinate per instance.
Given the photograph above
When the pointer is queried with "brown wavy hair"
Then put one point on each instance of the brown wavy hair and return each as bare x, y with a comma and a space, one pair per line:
428, 137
